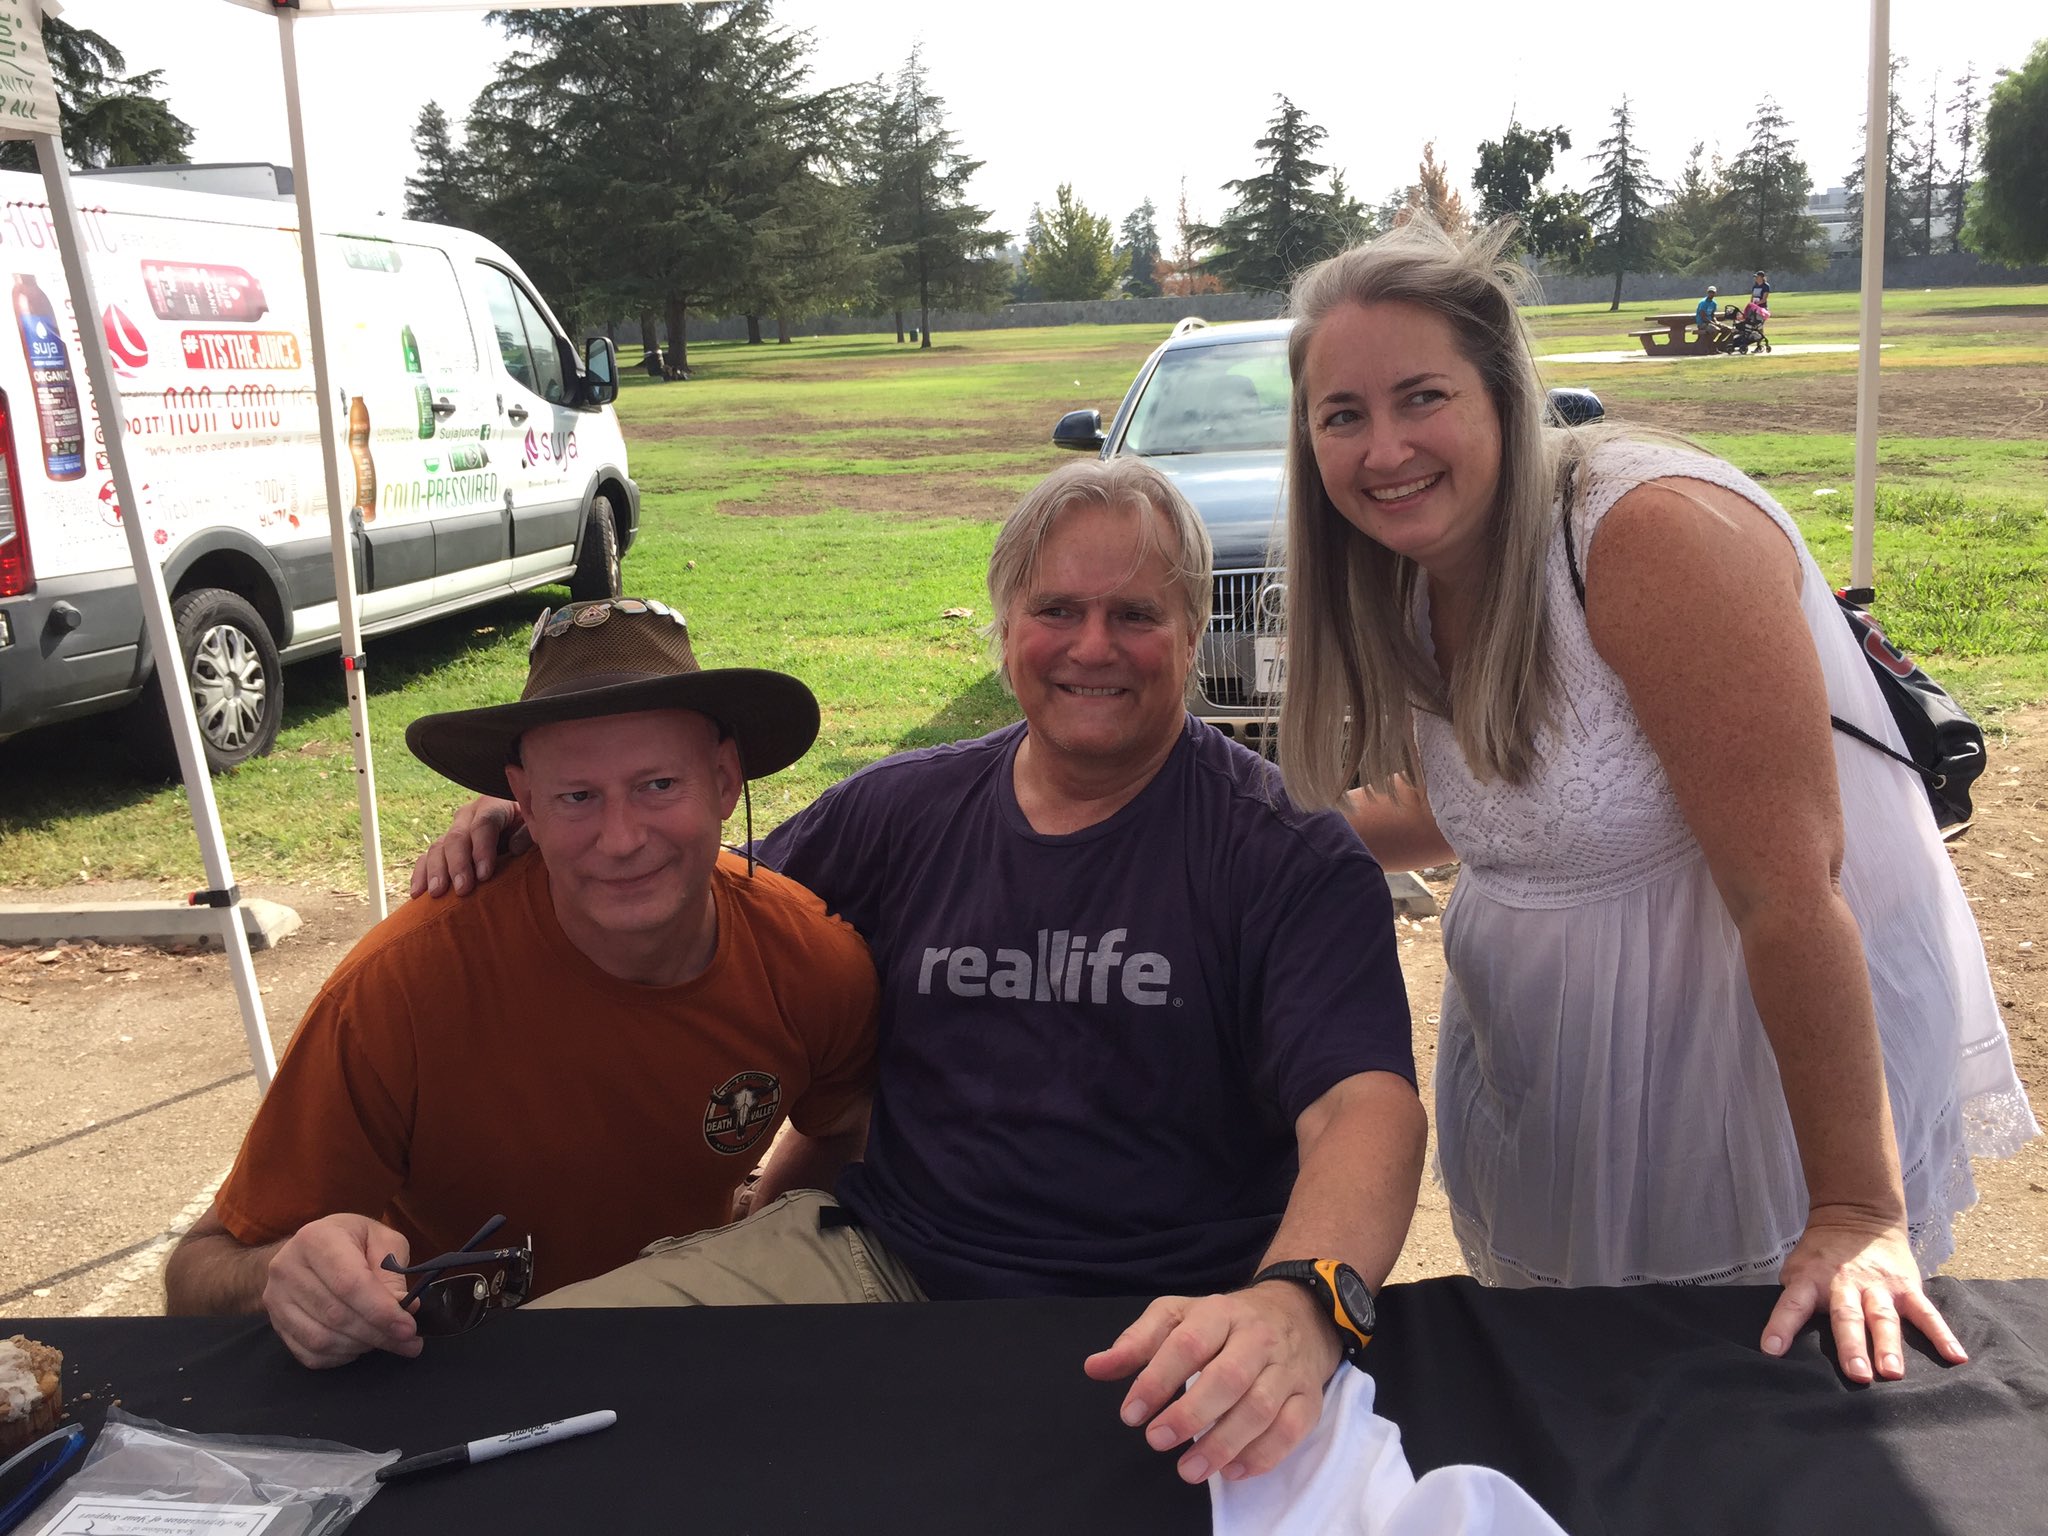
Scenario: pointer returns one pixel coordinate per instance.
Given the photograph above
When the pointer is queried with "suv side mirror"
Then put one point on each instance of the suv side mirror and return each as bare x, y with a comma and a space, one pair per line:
1079, 430
600, 371
1572, 407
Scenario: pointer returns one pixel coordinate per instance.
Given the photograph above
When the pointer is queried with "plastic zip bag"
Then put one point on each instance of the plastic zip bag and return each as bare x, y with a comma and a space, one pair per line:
141, 1472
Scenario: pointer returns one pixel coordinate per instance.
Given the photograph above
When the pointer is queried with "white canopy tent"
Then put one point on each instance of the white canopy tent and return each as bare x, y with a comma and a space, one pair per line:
28, 110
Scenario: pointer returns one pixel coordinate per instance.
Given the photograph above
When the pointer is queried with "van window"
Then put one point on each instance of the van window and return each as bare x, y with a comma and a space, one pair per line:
525, 340
409, 306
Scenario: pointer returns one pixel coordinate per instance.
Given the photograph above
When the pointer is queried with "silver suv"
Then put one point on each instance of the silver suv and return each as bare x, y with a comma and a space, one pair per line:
1210, 407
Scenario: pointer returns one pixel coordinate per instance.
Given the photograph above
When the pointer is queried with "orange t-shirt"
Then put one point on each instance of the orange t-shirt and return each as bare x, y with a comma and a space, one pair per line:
466, 1059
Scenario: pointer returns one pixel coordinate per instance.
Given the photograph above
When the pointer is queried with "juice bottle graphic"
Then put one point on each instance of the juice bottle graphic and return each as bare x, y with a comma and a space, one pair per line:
359, 451
49, 371
195, 291
422, 395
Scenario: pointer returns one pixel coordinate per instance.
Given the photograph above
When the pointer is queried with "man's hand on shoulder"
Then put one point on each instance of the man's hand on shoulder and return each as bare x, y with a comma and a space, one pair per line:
468, 852
328, 1299
1264, 1355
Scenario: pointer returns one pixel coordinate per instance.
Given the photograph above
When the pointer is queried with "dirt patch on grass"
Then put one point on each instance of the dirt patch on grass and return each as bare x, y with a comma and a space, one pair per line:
1915, 402
913, 497
987, 431
1972, 313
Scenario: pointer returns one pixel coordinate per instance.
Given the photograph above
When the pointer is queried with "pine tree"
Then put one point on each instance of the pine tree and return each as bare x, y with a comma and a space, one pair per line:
1072, 253
1901, 236
1138, 249
1281, 221
940, 243
1966, 113
1759, 216
1928, 171
439, 192
108, 117
1620, 205
1683, 224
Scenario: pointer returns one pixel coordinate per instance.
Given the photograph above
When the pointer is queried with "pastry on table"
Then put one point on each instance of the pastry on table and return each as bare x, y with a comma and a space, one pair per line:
31, 1392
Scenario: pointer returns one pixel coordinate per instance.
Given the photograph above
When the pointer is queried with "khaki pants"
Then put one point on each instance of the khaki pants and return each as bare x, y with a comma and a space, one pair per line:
786, 1252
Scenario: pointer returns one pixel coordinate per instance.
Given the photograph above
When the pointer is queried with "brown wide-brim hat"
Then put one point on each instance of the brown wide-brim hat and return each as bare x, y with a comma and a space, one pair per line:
617, 657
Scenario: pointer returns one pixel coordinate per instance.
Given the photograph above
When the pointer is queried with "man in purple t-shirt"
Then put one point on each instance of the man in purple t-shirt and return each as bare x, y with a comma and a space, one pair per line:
1143, 1027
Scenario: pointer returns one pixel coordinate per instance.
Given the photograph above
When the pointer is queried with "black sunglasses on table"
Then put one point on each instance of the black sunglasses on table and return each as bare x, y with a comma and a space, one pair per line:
483, 1278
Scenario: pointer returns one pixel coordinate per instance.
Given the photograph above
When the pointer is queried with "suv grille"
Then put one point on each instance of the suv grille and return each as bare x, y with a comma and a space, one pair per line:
1247, 603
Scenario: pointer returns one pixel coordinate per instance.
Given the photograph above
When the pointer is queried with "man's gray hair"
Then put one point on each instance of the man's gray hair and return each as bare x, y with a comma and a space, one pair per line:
1118, 482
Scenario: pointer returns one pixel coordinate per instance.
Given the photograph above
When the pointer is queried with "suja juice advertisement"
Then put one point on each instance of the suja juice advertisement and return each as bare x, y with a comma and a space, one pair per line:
206, 326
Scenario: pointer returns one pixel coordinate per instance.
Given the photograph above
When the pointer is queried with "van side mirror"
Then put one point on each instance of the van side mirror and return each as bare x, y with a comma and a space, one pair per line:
600, 371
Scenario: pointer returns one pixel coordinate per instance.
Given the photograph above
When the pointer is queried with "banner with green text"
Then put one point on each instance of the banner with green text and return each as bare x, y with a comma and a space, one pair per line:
28, 97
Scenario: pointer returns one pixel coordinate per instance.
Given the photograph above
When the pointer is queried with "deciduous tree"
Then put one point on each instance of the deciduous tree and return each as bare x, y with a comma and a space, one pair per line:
1072, 252
2008, 219
1182, 276
1432, 193
1509, 181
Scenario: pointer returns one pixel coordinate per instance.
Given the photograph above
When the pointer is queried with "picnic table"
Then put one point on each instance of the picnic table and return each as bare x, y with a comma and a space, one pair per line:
1666, 336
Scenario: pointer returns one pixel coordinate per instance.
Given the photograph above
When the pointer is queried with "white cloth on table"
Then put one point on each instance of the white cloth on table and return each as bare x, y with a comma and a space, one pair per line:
1608, 1106
1350, 1477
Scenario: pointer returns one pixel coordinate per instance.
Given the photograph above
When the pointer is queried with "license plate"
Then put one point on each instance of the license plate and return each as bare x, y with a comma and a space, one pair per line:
1269, 664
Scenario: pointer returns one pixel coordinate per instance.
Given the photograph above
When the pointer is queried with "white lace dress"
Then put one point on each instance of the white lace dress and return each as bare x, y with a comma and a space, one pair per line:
1608, 1106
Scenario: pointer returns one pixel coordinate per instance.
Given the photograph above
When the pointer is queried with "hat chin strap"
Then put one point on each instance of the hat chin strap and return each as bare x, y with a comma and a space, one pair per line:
747, 798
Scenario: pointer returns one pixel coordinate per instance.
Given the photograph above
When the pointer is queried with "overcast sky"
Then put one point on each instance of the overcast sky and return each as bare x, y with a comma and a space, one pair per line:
1124, 100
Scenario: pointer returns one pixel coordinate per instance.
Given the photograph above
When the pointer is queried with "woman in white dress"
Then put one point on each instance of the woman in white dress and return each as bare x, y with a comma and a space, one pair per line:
1716, 1007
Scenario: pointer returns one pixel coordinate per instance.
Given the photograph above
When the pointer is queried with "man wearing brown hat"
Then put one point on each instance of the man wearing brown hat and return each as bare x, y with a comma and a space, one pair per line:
595, 1049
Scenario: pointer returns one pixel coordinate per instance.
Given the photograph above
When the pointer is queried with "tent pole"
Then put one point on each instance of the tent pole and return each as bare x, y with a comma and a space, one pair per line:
339, 520
1870, 330
156, 606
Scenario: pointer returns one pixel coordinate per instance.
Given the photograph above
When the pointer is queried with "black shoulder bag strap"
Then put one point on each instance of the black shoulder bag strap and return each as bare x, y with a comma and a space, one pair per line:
1571, 558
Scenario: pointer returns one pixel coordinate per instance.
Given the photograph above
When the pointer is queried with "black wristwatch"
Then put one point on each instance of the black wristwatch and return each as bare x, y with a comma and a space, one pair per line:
1339, 1292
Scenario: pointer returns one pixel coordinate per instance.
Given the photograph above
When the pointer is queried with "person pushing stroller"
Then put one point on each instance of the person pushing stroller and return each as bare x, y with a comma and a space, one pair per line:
1745, 332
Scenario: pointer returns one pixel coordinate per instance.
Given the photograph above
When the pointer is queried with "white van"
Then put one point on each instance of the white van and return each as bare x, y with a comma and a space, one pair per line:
483, 457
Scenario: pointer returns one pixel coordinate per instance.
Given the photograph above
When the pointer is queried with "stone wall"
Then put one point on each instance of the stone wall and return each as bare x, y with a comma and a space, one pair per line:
1163, 312
1842, 275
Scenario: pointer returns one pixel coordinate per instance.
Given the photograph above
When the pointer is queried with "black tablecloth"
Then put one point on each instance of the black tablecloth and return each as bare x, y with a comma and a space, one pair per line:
1636, 1411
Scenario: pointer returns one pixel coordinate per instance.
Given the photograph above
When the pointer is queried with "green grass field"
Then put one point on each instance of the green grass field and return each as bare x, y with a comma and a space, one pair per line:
820, 506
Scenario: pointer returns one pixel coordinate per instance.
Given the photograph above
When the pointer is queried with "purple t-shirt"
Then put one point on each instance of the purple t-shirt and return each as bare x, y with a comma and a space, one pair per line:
1094, 1046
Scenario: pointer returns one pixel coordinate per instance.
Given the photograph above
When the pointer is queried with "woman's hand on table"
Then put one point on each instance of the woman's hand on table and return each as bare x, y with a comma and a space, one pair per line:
328, 1298
1264, 1356
1862, 1274
467, 853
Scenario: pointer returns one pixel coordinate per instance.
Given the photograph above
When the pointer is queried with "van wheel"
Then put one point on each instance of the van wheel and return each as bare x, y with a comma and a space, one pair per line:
597, 561
237, 683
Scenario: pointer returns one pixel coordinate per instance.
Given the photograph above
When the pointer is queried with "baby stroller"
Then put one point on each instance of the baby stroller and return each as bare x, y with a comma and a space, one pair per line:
1743, 330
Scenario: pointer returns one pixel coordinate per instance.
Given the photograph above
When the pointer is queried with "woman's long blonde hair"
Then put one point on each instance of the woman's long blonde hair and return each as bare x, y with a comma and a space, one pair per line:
1356, 671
